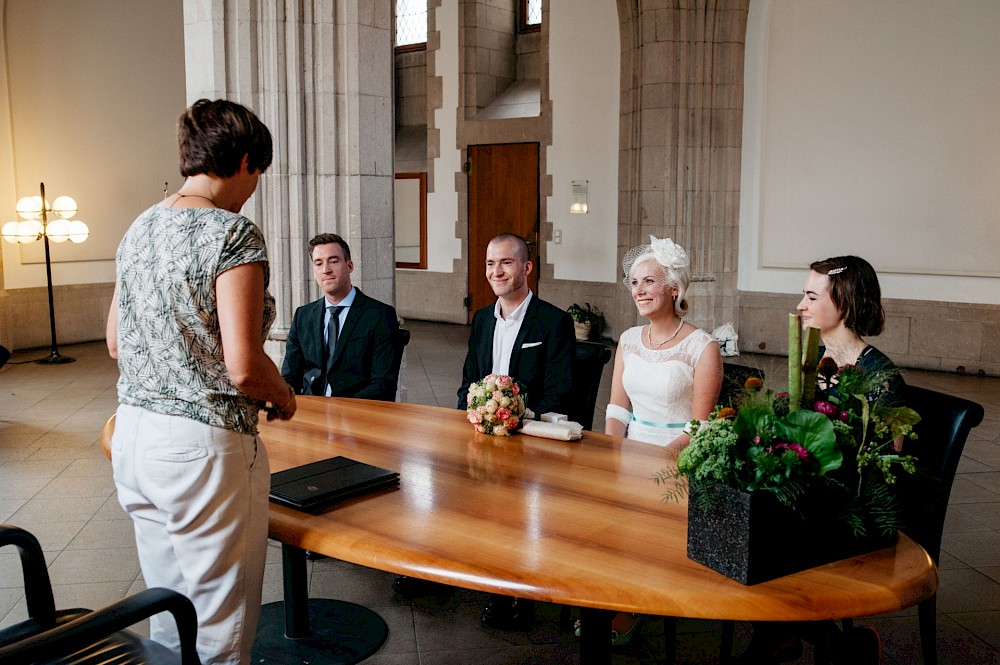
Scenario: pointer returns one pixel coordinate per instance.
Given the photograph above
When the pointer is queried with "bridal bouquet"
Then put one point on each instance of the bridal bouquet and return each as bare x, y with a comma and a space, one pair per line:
496, 404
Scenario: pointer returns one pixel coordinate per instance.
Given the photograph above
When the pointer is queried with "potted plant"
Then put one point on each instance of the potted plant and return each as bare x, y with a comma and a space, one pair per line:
773, 489
586, 320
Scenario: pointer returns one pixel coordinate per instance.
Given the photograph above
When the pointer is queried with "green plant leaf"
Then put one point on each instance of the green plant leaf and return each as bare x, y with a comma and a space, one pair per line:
814, 432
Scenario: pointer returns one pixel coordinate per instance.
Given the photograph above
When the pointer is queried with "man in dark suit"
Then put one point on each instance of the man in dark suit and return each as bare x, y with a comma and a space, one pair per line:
530, 340
520, 335
360, 362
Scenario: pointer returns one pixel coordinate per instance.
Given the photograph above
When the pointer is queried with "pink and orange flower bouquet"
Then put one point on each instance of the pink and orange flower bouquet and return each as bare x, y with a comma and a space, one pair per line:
496, 404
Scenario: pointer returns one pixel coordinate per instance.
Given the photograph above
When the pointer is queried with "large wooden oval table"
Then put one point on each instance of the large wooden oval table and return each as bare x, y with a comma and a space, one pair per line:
576, 523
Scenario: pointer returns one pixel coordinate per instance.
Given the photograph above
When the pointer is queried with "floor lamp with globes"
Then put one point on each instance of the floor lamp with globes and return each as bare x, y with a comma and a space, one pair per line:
35, 224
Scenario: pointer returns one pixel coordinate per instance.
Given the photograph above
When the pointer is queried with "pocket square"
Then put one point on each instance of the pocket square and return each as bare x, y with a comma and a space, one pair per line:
528, 345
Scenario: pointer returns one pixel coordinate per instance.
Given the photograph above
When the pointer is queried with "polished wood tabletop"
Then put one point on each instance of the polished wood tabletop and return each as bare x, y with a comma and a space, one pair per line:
578, 523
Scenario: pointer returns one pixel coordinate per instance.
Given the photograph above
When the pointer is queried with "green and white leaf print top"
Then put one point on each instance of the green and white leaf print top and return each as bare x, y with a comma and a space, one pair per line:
169, 345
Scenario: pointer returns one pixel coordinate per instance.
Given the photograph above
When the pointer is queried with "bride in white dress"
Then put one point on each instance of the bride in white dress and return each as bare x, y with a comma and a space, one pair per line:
667, 372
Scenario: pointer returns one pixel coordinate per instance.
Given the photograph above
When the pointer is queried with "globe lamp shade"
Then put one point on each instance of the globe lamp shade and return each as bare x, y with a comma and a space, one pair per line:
78, 231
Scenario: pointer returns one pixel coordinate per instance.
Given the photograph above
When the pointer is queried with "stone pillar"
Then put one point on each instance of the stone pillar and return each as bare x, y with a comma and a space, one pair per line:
681, 137
319, 74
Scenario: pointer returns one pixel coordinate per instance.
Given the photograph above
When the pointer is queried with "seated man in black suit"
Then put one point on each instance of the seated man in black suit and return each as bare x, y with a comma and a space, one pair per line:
520, 335
526, 338
360, 361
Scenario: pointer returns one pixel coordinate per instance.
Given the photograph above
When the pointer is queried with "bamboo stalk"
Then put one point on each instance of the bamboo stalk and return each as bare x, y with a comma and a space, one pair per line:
810, 349
794, 362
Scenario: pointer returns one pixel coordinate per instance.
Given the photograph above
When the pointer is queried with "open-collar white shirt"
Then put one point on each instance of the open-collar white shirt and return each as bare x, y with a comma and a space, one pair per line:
505, 334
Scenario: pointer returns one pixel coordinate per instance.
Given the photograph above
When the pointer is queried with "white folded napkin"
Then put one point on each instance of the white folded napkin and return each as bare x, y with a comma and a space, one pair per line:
566, 430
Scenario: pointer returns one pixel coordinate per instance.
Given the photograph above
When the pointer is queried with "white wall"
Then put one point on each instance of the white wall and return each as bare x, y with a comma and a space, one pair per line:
584, 61
873, 129
93, 105
442, 203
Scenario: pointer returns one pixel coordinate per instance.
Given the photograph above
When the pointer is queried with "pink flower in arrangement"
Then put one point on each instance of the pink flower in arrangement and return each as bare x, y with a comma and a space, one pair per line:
516, 389
497, 396
503, 414
480, 429
844, 416
468, 399
504, 381
783, 394
826, 408
474, 417
511, 422
796, 448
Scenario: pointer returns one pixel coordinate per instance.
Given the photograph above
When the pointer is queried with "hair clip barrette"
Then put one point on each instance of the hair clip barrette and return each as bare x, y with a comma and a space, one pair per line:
836, 271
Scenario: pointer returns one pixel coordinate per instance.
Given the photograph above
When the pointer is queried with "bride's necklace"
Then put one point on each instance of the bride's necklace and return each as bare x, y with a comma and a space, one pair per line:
649, 337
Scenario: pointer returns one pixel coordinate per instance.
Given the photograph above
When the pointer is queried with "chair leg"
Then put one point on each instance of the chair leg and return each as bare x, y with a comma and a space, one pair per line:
726, 645
565, 619
670, 640
927, 611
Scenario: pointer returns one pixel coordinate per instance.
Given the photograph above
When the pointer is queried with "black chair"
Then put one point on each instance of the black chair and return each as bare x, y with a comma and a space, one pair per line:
940, 438
401, 340
941, 434
85, 636
588, 366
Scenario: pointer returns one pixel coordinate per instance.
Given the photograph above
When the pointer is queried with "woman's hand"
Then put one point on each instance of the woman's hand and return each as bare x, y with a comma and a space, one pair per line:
283, 411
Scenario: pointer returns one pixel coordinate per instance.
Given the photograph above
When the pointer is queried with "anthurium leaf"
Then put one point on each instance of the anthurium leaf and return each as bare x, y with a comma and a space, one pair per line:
814, 432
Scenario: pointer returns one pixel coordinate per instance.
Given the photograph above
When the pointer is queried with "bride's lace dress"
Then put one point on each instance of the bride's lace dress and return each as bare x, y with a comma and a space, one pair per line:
660, 384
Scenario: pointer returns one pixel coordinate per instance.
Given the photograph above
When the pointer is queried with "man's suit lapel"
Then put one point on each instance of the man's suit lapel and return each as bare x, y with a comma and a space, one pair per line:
313, 336
354, 314
526, 325
486, 344
311, 342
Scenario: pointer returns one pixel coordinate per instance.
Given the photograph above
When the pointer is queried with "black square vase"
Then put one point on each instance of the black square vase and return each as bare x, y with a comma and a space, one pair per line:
752, 537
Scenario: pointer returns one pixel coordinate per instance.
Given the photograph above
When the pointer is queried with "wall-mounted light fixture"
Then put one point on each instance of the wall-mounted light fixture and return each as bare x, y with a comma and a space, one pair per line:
34, 213
579, 204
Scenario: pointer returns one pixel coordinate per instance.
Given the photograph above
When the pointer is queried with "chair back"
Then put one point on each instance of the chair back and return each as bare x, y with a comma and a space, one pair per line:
588, 366
401, 340
83, 637
35, 572
941, 434
733, 379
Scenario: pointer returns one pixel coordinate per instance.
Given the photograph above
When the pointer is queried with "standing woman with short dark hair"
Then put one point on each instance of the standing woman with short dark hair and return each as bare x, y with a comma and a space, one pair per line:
187, 324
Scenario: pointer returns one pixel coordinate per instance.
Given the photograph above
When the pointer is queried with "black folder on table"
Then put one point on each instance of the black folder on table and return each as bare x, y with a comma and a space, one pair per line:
314, 486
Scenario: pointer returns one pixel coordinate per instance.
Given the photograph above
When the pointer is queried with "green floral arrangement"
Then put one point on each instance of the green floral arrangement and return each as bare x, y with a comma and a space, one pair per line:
832, 454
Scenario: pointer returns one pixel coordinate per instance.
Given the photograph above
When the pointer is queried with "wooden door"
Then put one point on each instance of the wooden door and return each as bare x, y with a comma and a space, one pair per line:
503, 198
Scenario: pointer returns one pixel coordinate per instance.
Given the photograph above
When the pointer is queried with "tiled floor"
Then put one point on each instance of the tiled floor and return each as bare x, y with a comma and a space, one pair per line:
55, 482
